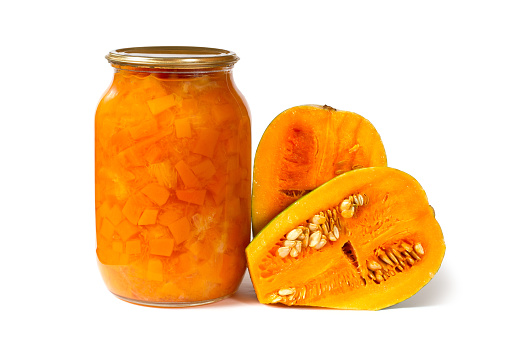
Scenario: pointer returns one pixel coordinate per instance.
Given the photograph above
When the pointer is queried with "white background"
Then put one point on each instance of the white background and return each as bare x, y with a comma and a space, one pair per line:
432, 76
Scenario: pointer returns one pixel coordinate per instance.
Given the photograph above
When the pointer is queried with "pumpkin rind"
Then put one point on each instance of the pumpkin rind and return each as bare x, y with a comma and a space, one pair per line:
337, 275
302, 148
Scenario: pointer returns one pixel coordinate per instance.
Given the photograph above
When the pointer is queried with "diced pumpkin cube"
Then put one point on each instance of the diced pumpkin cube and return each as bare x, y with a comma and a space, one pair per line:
107, 256
144, 129
192, 196
146, 150
127, 230
223, 113
180, 230
117, 246
135, 206
206, 143
186, 174
115, 215
161, 246
156, 193
183, 128
169, 216
218, 189
133, 246
148, 217
204, 170
121, 140
132, 210
103, 210
107, 229
160, 104
155, 270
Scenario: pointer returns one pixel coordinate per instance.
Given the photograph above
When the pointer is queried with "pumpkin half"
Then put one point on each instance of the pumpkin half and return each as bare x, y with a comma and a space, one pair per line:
366, 239
302, 148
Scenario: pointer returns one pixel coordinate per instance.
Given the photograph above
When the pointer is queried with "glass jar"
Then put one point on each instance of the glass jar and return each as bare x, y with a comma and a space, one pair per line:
172, 176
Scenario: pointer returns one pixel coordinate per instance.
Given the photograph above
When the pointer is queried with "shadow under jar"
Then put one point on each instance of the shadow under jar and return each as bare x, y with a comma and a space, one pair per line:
172, 177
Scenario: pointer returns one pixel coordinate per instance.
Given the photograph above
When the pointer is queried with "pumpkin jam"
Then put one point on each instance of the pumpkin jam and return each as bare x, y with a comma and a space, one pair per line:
173, 159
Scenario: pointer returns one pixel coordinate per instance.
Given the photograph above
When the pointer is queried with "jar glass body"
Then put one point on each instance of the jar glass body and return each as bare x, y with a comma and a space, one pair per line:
173, 185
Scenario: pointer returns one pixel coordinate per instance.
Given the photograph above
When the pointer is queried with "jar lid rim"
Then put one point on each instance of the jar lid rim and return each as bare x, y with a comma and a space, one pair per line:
172, 57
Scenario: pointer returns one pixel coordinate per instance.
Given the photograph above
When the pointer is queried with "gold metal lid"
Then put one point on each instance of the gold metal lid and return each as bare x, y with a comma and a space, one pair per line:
172, 57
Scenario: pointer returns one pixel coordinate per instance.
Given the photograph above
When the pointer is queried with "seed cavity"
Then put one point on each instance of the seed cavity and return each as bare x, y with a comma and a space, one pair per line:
350, 205
390, 260
321, 229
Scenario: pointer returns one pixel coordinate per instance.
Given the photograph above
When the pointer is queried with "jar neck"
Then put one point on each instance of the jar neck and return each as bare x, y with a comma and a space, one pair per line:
177, 73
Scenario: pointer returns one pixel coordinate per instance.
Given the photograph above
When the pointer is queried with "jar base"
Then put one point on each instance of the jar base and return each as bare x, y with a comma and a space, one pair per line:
170, 304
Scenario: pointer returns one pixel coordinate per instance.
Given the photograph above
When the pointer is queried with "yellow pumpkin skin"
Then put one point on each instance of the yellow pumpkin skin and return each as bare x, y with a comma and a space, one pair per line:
396, 216
302, 148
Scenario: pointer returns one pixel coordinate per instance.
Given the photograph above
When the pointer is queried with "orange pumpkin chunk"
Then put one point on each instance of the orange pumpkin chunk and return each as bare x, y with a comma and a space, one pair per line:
144, 129
180, 230
121, 140
115, 215
126, 230
133, 246
161, 246
204, 170
186, 174
107, 229
132, 210
193, 196
206, 143
149, 217
156, 193
183, 128
160, 104
118, 246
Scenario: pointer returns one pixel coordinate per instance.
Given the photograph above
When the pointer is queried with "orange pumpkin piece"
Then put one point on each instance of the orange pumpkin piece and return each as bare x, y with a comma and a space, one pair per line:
183, 128
187, 175
160, 104
204, 170
156, 193
143, 129
304, 147
115, 215
126, 230
133, 246
192, 196
180, 230
206, 143
107, 229
366, 239
161, 246
148, 217
132, 210
117, 246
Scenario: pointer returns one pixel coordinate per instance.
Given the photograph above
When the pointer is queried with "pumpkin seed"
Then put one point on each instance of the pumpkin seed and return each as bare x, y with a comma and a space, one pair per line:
315, 238
283, 251
294, 234
419, 249
286, 291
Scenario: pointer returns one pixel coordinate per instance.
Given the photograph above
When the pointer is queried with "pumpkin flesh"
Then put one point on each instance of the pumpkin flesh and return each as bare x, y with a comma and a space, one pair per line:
389, 249
304, 147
